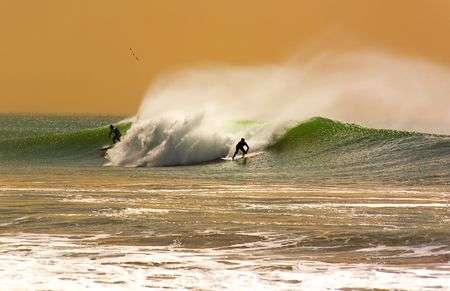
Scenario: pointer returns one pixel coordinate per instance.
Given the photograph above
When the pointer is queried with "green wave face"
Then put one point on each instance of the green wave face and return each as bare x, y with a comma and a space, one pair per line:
319, 131
81, 145
326, 148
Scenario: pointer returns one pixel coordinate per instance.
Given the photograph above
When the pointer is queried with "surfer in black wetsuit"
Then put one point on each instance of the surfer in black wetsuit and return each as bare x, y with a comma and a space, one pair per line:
241, 147
114, 133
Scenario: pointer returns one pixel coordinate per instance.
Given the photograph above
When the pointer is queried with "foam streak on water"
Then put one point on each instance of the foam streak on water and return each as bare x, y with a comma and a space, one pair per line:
160, 229
78, 263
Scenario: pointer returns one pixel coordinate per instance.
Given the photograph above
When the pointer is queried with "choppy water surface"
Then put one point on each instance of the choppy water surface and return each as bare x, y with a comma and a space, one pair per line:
73, 228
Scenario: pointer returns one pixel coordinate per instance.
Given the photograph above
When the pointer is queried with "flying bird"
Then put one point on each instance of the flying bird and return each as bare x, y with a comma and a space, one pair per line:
133, 54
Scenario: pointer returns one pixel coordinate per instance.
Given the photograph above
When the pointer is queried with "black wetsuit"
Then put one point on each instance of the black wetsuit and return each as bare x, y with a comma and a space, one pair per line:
241, 147
115, 133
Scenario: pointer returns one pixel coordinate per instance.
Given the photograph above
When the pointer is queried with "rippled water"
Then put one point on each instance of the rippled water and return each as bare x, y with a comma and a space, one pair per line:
74, 228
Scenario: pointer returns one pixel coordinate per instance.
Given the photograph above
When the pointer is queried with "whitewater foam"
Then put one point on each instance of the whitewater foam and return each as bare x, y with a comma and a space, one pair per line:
186, 116
35, 261
169, 142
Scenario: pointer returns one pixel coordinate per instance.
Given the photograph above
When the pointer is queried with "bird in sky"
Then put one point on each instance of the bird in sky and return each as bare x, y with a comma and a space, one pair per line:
133, 54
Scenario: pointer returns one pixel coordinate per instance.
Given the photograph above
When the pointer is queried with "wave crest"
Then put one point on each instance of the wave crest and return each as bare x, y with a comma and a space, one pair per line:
169, 142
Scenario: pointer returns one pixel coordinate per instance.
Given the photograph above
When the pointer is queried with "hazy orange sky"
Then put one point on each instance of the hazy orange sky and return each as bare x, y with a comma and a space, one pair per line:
72, 56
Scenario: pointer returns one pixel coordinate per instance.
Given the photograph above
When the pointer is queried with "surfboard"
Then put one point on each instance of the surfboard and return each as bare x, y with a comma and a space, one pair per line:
239, 157
104, 149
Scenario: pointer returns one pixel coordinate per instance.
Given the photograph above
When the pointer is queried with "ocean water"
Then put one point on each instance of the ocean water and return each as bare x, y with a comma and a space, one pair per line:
324, 206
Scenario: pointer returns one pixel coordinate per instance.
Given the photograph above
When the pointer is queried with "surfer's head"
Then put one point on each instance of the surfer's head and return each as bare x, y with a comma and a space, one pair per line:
111, 126
242, 139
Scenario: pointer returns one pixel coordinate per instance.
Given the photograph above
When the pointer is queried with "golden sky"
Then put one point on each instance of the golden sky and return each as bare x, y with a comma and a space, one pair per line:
72, 56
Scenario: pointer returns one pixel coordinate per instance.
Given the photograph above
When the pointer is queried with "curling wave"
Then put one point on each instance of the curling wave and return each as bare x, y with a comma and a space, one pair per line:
317, 147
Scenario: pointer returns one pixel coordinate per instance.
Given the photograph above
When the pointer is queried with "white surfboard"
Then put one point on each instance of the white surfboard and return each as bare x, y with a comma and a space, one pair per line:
104, 149
240, 156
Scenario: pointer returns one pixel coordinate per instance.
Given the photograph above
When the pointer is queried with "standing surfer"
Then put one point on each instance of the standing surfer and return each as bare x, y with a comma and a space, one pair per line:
241, 147
114, 133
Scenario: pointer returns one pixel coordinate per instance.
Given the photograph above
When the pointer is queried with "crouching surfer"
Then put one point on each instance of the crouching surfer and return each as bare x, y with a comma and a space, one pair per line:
241, 145
114, 133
